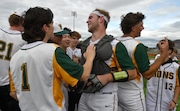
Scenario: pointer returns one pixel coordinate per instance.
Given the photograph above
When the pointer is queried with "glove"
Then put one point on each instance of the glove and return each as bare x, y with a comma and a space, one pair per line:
77, 88
95, 85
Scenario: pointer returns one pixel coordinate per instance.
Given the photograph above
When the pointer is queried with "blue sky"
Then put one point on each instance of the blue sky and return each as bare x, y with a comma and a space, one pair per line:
162, 16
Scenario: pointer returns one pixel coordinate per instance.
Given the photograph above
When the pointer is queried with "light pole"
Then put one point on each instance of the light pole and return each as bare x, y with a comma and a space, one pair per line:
74, 14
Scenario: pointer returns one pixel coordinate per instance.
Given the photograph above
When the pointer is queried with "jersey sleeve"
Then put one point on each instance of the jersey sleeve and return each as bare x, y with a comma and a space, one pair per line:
65, 68
124, 61
141, 57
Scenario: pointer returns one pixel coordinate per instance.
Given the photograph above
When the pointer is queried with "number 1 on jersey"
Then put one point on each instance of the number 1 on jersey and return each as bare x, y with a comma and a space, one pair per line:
25, 84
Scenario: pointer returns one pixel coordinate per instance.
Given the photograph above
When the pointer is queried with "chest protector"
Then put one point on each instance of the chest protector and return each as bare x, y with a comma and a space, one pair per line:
103, 53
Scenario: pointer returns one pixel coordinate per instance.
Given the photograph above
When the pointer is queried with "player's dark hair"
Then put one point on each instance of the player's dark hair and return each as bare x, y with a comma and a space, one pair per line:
34, 20
171, 45
130, 20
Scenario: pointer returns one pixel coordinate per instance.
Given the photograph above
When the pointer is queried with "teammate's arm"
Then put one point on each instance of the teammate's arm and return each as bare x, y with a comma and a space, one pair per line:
128, 71
146, 70
89, 56
124, 61
13, 95
120, 76
174, 102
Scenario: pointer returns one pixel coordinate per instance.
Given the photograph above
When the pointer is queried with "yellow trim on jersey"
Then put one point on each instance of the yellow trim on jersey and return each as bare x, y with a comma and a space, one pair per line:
114, 62
12, 87
138, 78
60, 76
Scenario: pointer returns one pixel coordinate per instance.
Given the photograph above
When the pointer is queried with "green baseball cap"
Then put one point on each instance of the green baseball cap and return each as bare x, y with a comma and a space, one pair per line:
58, 31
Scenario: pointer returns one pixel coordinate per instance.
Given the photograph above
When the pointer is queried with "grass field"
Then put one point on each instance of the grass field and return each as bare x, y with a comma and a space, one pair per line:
178, 107
151, 56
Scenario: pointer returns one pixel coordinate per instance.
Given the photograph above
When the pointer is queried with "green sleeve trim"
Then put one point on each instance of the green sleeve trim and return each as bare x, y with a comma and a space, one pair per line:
72, 68
141, 58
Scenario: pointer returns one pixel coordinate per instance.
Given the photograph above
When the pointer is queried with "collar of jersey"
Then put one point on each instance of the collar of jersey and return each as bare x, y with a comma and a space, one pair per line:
124, 38
9, 31
168, 61
31, 45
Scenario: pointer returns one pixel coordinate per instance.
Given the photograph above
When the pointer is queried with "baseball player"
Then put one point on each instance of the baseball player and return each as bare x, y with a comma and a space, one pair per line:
109, 53
173, 55
10, 42
131, 93
163, 88
39, 69
62, 38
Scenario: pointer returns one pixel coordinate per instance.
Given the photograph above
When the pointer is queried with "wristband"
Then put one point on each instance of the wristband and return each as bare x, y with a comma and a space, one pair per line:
120, 76
174, 102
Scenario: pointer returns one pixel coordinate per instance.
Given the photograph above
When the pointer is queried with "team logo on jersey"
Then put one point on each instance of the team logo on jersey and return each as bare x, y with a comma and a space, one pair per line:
164, 74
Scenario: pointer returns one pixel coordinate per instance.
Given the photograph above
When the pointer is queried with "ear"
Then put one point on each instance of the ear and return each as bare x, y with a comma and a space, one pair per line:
133, 28
44, 28
101, 18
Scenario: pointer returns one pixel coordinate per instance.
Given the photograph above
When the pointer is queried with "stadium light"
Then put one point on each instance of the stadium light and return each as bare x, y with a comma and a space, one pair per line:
74, 14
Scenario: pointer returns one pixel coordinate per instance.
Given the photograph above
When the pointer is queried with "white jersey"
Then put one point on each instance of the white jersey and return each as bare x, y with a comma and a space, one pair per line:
71, 52
38, 71
137, 83
107, 96
10, 42
160, 88
130, 93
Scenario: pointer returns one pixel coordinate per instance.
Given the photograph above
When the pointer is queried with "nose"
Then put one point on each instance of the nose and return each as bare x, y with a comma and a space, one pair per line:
87, 20
142, 27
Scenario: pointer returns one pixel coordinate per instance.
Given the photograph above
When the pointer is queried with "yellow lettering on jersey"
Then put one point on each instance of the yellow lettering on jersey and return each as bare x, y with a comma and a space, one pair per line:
164, 74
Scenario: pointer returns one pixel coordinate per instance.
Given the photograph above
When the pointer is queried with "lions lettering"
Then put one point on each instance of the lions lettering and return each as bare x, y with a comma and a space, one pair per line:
164, 74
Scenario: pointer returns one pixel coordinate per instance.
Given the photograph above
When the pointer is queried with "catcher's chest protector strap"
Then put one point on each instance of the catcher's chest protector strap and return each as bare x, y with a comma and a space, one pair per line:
103, 52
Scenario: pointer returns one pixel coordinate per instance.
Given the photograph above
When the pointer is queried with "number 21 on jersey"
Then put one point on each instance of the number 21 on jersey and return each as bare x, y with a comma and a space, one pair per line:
3, 46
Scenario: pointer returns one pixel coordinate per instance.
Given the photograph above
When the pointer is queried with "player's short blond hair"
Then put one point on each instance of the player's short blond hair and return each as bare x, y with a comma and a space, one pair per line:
105, 13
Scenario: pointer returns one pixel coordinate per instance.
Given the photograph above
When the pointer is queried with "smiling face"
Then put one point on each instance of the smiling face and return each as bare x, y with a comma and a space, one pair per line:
74, 41
92, 22
65, 41
137, 29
